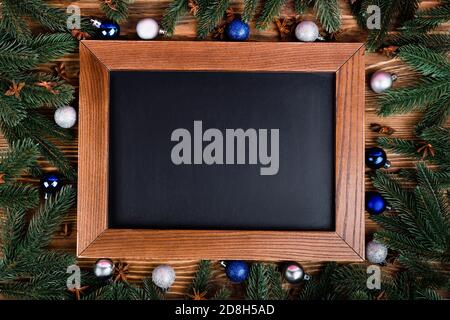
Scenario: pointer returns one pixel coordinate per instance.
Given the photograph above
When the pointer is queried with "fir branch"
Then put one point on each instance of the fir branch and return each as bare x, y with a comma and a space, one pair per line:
12, 111
276, 284
15, 56
400, 146
12, 23
151, 291
116, 10
270, 9
12, 233
175, 10
45, 222
115, 291
322, 286
329, 14
18, 196
249, 10
52, 46
428, 20
435, 115
202, 277
425, 61
437, 42
300, 6
222, 294
209, 15
257, 283
53, 18
405, 100
21, 155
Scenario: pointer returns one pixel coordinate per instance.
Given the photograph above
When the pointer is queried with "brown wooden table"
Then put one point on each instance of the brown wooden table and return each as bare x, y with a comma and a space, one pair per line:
65, 239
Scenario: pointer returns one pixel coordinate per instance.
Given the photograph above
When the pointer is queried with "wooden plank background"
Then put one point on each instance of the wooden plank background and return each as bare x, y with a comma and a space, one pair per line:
65, 239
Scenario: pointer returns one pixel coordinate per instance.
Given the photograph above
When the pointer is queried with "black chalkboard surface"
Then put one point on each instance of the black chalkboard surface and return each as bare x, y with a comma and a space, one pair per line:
147, 190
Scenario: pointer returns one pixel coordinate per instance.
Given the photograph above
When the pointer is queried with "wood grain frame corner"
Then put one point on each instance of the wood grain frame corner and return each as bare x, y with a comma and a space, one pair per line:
98, 58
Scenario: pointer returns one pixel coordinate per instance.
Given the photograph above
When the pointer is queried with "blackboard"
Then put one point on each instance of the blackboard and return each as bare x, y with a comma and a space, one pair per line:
147, 190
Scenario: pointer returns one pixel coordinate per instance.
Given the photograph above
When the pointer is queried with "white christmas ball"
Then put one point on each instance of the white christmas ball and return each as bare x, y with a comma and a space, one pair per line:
381, 81
376, 252
65, 117
147, 29
163, 276
307, 31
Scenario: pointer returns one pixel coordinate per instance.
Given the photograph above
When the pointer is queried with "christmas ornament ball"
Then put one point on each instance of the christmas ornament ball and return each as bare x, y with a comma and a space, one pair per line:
65, 117
381, 81
294, 273
147, 29
375, 203
376, 158
307, 31
237, 271
106, 30
237, 30
163, 276
376, 252
51, 183
104, 268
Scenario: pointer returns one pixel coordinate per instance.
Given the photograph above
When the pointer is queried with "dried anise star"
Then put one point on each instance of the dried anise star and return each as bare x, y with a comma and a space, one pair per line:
389, 51
49, 85
79, 35
121, 271
60, 71
198, 295
14, 89
193, 7
78, 291
284, 25
229, 15
426, 149
110, 4
375, 127
219, 32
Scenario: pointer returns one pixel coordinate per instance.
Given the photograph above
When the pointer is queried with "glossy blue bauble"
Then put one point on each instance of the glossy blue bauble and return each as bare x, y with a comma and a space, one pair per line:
51, 183
108, 30
237, 271
237, 30
375, 203
375, 158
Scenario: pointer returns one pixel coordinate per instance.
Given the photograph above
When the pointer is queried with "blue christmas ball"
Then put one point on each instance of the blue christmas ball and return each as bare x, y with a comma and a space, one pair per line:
51, 183
237, 30
106, 30
237, 271
375, 203
376, 158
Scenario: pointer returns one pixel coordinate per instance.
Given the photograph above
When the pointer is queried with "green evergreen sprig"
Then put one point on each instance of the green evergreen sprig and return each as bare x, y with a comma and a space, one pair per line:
210, 13
176, 9
427, 20
269, 11
328, 13
116, 10
249, 10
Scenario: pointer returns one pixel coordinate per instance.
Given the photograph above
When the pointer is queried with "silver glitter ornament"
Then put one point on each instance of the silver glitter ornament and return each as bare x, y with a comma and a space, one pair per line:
307, 31
294, 273
65, 117
163, 276
104, 268
376, 252
382, 81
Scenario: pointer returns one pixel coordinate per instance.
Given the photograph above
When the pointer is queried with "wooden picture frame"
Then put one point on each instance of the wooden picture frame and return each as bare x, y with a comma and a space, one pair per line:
98, 58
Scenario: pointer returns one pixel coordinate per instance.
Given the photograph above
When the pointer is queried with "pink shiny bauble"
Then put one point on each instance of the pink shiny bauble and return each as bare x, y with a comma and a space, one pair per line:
381, 81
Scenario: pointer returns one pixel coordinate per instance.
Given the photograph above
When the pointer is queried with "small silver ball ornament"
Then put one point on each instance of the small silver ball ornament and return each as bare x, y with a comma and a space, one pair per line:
104, 268
307, 31
382, 81
376, 252
65, 117
294, 273
148, 29
163, 276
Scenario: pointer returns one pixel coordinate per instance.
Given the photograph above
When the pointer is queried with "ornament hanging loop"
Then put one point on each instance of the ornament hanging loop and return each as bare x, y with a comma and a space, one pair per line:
223, 263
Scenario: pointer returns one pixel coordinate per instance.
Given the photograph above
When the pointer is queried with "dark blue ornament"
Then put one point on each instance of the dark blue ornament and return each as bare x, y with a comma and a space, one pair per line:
237, 30
376, 158
375, 203
237, 271
106, 30
50, 183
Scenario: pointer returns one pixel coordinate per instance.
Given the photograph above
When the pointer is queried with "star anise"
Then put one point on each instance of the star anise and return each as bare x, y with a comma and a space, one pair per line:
49, 85
110, 4
78, 291
193, 7
121, 271
198, 295
284, 25
14, 89
219, 32
426, 149
375, 127
80, 35
2, 178
60, 71
380, 296
229, 15
389, 51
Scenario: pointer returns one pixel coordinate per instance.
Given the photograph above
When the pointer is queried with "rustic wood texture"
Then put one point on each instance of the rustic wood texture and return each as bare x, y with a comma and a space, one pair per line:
95, 240
65, 239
